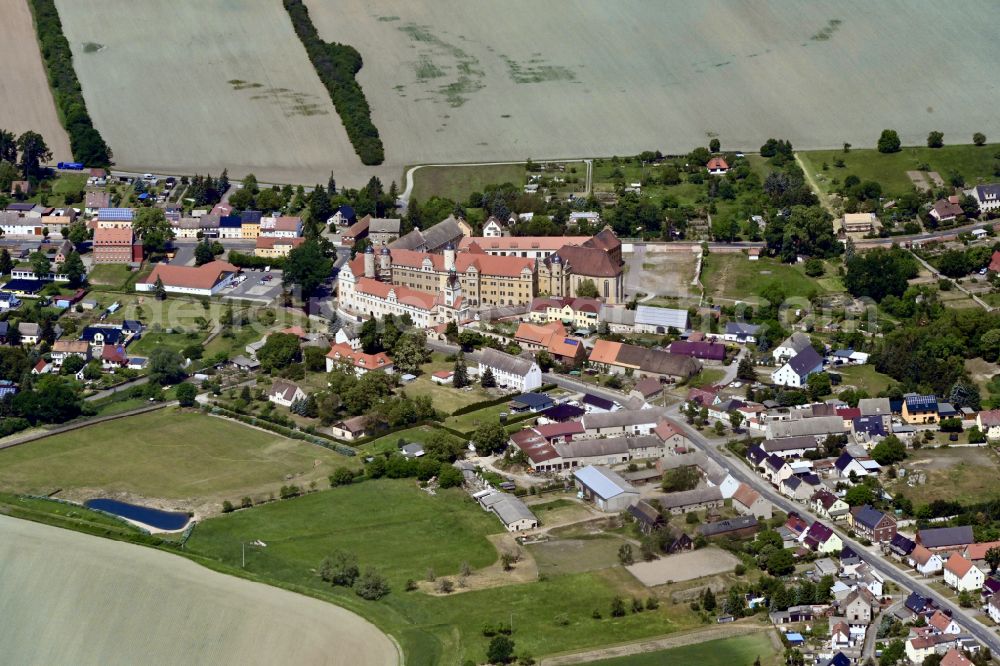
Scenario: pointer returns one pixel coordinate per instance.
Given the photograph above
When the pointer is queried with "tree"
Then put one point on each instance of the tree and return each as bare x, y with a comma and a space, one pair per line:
489, 438
889, 142
72, 365
680, 479
979, 139
819, 385
410, 351
8, 146
587, 289
714, 145
340, 568
500, 650
279, 351
735, 420
6, 263
780, 562
54, 399
859, 495
186, 394
708, 600
993, 558
33, 152
488, 380
894, 653
74, 269
40, 264
371, 585
745, 369
889, 451
153, 229
165, 367
307, 267
159, 289
203, 253
460, 378
617, 607
880, 272
625, 554
935, 139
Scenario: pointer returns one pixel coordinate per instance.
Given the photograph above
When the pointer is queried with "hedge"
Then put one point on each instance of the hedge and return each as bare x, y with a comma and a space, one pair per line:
219, 410
242, 260
85, 141
492, 402
336, 64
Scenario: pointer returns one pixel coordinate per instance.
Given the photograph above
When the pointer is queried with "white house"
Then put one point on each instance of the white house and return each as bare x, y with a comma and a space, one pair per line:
791, 346
285, 393
493, 228
962, 574
796, 371
925, 562
512, 372
993, 607
989, 423
205, 280
987, 196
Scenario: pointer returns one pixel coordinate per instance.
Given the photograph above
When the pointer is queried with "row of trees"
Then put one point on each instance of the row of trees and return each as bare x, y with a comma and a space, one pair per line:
889, 142
85, 141
336, 64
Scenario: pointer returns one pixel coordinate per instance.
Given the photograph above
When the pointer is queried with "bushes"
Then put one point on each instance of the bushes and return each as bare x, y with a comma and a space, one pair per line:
336, 65
86, 142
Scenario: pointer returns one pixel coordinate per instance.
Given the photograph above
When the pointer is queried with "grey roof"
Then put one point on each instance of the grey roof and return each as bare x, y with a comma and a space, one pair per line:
730, 525
586, 448
797, 341
868, 516
384, 225
430, 239
666, 317
690, 497
245, 362
806, 361
515, 365
511, 509
940, 537
789, 444
603, 481
741, 328
818, 426
874, 406
623, 417
617, 314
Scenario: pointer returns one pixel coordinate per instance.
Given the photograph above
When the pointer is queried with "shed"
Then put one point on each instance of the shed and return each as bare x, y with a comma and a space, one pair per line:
606, 488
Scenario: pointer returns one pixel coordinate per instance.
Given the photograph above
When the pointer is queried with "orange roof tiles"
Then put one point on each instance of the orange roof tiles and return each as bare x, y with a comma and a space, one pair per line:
205, 276
605, 351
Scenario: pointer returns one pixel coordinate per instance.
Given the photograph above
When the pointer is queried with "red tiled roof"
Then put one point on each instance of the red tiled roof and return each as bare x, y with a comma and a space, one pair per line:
746, 495
358, 358
958, 565
119, 236
717, 163
666, 429
977, 551
268, 242
205, 276
518, 243
605, 351
419, 299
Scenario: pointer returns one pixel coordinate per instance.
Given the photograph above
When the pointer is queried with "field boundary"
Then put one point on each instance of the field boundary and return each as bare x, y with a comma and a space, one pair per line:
83, 424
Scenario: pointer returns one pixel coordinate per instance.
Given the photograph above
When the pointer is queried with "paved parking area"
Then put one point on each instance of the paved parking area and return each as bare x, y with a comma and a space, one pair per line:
253, 288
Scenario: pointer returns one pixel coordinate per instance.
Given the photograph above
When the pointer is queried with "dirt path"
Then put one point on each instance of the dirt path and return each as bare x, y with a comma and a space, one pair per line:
824, 198
674, 641
73, 598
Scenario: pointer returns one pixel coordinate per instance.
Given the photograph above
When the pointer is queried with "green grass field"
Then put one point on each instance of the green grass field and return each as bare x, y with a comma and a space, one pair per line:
736, 651
403, 531
458, 182
975, 163
864, 377
113, 276
420, 434
184, 457
64, 515
734, 277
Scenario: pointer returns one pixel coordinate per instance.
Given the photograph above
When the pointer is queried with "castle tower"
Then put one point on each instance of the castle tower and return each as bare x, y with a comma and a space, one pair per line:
370, 262
449, 258
452, 289
385, 265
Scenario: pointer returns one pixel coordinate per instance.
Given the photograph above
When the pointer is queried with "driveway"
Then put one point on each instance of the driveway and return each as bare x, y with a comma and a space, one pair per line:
254, 288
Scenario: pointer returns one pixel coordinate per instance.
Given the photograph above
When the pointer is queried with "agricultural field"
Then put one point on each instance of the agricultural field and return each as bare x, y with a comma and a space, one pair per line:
975, 163
403, 531
200, 616
189, 88
721, 652
468, 97
168, 457
458, 182
25, 100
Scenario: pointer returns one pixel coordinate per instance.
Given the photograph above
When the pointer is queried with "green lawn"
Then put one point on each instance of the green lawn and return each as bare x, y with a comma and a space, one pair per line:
864, 377
113, 276
62, 184
403, 531
707, 377
734, 277
471, 420
975, 163
458, 182
64, 515
737, 651
168, 454
445, 397
419, 434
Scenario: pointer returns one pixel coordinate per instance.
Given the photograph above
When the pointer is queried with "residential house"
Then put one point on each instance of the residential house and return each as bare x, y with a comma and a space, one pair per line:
342, 354
962, 574
796, 371
580, 313
511, 372
672, 436
748, 501
717, 166
988, 422
275, 246
619, 358
945, 210
791, 346
741, 332
901, 546
954, 657
987, 196
606, 488
858, 466
284, 393
859, 223
871, 524
63, 349
925, 561
977, 551
351, 429
943, 624
919, 409
790, 447
817, 427
993, 607
857, 607
821, 538
622, 422
827, 505
920, 647
704, 350
648, 388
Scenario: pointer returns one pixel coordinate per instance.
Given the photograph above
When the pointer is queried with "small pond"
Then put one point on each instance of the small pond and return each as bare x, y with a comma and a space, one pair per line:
161, 520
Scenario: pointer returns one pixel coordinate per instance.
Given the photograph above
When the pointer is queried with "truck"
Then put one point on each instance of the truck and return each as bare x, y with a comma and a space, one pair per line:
71, 166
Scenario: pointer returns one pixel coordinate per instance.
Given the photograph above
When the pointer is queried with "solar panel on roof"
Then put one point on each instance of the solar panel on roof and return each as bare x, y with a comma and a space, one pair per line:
571, 341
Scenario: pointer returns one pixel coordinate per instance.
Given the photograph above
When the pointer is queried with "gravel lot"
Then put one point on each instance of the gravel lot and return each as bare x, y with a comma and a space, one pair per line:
684, 566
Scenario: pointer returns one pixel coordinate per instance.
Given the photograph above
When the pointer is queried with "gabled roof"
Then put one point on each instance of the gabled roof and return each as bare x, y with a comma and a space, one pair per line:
666, 317
920, 403
805, 361
741, 328
797, 342
943, 537
730, 525
902, 544
649, 387
958, 565
977, 551
806, 442
515, 365
939, 621
868, 516
746, 495
921, 555
666, 429
205, 276
604, 482
284, 389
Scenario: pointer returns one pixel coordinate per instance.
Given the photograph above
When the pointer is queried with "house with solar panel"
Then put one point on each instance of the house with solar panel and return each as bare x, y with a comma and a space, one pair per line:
115, 218
919, 409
